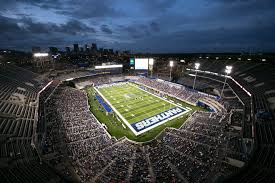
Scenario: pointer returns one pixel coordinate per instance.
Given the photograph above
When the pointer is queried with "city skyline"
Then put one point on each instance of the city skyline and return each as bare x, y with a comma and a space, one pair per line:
143, 26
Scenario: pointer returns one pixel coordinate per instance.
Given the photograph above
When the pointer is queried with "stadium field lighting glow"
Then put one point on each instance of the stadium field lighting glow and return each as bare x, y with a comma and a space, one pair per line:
108, 66
151, 63
197, 66
228, 70
171, 64
40, 54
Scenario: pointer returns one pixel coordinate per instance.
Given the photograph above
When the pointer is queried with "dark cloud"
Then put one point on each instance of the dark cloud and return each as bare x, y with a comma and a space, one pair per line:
157, 6
171, 25
212, 40
136, 31
87, 9
155, 27
72, 27
106, 29
26, 32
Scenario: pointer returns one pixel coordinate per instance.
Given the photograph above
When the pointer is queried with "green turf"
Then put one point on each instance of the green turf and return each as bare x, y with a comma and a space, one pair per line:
133, 103
115, 127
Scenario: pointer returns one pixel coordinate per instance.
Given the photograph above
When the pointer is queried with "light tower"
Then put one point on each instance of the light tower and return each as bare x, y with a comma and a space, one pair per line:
228, 70
171, 64
197, 66
151, 63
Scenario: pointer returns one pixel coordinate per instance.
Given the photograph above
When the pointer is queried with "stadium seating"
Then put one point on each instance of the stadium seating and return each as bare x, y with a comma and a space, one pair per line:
18, 105
68, 141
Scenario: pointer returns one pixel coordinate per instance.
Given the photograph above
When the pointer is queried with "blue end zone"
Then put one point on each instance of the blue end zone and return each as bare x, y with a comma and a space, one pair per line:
153, 120
104, 105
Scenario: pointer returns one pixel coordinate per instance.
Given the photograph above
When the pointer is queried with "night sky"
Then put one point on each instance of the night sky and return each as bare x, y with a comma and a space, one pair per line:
140, 25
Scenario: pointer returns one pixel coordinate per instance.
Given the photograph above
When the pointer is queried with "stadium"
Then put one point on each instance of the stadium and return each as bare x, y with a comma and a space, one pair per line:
139, 121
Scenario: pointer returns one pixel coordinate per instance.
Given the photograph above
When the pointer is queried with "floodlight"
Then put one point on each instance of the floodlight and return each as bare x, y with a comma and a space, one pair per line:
228, 69
197, 66
151, 61
40, 54
217, 58
263, 60
171, 63
183, 61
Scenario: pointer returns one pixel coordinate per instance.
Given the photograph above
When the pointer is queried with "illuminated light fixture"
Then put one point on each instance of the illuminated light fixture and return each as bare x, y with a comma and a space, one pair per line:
183, 61
217, 58
197, 66
171, 63
239, 58
200, 57
229, 58
207, 57
263, 60
151, 61
228, 69
40, 54
108, 66
249, 59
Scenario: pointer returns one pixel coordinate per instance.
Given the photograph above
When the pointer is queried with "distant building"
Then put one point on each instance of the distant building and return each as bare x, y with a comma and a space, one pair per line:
68, 50
87, 48
94, 47
81, 49
76, 48
53, 50
101, 50
105, 51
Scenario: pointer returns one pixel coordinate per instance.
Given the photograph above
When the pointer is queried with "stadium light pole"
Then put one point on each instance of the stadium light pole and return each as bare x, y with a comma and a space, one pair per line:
151, 63
197, 66
171, 64
228, 70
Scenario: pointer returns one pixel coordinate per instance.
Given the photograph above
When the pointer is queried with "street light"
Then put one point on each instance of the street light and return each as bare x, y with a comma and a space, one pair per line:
228, 70
151, 63
171, 64
197, 66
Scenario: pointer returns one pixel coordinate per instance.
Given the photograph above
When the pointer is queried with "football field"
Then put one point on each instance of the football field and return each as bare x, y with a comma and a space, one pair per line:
138, 109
